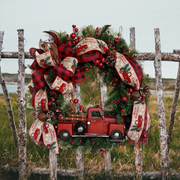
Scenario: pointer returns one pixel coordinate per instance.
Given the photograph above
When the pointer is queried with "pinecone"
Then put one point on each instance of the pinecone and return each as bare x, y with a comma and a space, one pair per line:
110, 51
144, 90
110, 60
110, 57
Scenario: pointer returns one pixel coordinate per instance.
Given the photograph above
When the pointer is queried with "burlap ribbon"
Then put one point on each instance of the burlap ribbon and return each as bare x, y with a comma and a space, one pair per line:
44, 133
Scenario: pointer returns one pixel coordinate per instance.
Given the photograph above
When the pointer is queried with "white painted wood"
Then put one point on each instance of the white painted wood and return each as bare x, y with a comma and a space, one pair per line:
80, 163
104, 97
161, 108
137, 147
77, 95
52, 155
103, 87
21, 109
52, 165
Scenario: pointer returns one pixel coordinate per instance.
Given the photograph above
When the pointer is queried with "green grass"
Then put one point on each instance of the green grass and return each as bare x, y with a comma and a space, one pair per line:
122, 157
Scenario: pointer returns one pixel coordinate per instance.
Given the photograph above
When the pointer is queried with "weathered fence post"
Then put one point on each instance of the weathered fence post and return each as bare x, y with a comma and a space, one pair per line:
21, 108
137, 147
104, 95
80, 163
52, 154
161, 109
7, 98
138, 160
174, 106
132, 38
79, 154
77, 95
103, 86
53, 165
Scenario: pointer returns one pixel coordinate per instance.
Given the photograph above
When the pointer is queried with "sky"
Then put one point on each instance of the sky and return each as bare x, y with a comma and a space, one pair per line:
36, 16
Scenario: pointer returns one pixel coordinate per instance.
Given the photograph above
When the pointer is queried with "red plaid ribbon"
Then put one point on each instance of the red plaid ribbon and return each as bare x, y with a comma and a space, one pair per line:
35, 66
56, 40
90, 56
78, 76
137, 68
38, 79
65, 51
62, 72
32, 52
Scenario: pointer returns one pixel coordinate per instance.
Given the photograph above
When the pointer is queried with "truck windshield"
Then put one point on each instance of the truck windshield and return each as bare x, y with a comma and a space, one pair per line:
96, 114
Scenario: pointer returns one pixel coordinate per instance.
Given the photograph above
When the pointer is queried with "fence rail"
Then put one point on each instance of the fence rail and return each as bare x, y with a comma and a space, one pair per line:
139, 174
142, 56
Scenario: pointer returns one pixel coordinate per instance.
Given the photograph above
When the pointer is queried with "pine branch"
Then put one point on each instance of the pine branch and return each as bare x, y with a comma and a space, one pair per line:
104, 30
62, 36
88, 31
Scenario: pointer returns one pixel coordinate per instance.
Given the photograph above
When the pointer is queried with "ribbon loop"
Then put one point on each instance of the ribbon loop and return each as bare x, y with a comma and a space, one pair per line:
56, 40
128, 70
44, 133
65, 51
38, 79
33, 51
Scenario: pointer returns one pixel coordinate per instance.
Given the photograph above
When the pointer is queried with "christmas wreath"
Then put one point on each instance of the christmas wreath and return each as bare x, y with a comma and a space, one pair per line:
59, 65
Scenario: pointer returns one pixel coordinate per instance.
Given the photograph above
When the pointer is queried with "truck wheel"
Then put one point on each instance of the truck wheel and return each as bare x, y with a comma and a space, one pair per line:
64, 135
80, 128
116, 135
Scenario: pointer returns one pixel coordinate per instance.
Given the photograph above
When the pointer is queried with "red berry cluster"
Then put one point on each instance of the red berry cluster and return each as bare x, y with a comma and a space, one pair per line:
97, 31
143, 99
115, 41
75, 101
81, 108
116, 79
102, 151
99, 62
74, 36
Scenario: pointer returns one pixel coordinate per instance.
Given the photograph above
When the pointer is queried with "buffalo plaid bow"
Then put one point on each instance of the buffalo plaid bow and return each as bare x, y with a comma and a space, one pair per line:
58, 69
39, 82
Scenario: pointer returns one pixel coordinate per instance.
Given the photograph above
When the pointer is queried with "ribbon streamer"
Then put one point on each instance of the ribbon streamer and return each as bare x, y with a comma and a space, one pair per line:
44, 133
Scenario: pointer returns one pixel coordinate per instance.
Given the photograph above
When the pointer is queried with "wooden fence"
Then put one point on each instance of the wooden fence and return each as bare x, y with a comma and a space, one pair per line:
165, 138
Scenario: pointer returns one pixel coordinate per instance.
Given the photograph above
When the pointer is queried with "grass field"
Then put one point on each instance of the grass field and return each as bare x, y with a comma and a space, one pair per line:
122, 157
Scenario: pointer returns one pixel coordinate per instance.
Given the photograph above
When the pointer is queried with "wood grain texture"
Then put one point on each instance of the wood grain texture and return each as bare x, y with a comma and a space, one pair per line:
143, 56
52, 165
21, 109
52, 154
80, 163
137, 147
161, 108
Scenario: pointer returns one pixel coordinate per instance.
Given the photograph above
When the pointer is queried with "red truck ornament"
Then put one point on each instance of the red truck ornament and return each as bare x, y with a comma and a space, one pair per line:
125, 75
139, 123
42, 103
94, 124
81, 48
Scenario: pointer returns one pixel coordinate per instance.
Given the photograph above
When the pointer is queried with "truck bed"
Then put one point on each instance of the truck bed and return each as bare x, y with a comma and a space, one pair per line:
75, 117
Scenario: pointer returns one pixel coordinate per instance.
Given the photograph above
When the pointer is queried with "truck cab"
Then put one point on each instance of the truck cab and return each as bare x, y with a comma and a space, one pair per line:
96, 125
